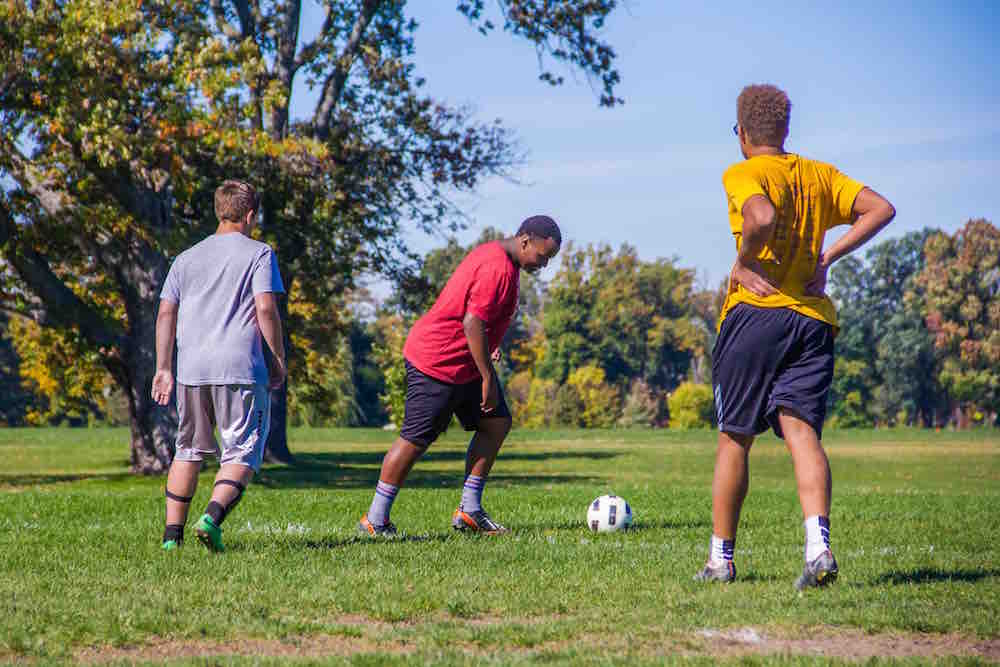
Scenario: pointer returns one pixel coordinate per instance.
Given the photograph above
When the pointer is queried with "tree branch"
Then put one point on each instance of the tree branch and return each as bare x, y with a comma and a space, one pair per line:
66, 309
227, 28
333, 87
309, 51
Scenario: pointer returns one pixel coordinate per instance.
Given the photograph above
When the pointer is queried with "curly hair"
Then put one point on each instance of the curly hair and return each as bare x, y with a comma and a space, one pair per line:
763, 111
234, 199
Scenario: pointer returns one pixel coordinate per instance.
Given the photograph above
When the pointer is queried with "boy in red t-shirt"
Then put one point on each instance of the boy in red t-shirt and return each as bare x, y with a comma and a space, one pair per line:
448, 355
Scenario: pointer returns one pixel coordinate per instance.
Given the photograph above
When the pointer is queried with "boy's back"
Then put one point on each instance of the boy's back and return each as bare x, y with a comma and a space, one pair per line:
214, 283
809, 198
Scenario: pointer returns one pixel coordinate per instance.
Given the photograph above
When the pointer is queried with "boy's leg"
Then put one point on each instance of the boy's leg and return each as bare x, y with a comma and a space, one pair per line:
182, 482
243, 416
812, 475
730, 483
428, 411
812, 468
195, 439
479, 459
490, 431
396, 466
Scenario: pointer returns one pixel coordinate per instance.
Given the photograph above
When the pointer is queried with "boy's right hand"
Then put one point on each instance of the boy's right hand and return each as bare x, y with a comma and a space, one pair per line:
277, 373
163, 384
489, 394
751, 275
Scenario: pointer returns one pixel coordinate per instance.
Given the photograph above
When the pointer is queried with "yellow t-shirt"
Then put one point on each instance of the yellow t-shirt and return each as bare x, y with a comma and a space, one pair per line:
809, 197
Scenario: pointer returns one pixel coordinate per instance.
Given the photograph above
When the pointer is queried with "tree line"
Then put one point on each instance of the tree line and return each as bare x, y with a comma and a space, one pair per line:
611, 341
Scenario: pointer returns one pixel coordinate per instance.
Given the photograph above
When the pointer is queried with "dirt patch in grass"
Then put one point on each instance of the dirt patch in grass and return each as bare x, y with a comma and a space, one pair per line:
358, 639
292, 647
852, 645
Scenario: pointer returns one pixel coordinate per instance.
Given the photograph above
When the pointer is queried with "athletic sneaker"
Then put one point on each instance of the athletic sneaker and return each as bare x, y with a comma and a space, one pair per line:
476, 522
209, 534
724, 572
819, 572
369, 529
170, 545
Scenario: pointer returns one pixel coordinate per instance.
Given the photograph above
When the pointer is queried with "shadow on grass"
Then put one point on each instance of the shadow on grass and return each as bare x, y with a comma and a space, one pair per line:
349, 470
934, 575
41, 479
637, 527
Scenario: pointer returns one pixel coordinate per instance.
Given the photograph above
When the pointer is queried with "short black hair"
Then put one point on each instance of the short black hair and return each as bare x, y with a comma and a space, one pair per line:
541, 226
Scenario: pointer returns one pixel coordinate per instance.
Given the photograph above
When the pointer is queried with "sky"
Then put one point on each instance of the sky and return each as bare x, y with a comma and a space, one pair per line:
903, 96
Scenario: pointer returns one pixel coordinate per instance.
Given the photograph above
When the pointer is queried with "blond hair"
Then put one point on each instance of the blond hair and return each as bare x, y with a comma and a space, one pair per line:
234, 200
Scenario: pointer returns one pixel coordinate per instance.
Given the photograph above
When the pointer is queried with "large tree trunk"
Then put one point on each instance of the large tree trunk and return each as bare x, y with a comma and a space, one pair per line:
152, 427
276, 450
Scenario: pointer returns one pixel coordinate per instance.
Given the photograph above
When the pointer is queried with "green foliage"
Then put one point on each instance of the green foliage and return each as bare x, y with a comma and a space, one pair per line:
600, 402
884, 350
387, 351
631, 318
691, 406
540, 409
67, 380
850, 393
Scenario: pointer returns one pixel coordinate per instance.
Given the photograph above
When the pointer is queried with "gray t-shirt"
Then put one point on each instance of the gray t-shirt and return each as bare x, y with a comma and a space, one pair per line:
214, 283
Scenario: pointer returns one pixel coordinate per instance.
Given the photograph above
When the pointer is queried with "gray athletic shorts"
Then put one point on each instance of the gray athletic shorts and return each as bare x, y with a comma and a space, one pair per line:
242, 413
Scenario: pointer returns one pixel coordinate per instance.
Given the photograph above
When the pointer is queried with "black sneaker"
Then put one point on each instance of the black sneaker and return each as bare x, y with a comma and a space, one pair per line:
724, 572
369, 529
476, 522
819, 572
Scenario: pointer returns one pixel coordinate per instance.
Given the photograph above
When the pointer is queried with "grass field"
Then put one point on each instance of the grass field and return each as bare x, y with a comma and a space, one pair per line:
914, 523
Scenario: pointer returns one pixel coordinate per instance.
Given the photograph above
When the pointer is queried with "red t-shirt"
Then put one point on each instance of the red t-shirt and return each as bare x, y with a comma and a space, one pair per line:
484, 284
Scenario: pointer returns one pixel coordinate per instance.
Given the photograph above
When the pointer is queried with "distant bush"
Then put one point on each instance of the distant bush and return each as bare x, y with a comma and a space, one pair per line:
691, 406
642, 408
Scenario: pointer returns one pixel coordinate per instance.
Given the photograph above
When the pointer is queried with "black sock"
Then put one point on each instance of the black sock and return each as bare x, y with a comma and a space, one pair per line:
175, 532
217, 512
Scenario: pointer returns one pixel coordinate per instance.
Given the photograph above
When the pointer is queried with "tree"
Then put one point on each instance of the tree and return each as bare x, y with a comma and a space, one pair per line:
960, 285
118, 118
883, 348
631, 318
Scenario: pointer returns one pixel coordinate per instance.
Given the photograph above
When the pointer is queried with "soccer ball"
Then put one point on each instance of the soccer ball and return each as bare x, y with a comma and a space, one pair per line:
608, 513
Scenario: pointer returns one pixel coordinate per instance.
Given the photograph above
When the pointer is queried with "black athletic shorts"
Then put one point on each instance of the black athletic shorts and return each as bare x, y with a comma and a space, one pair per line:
430, 403
766, 358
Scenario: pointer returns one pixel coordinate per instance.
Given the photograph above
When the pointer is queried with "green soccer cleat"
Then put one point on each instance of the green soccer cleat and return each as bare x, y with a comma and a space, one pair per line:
209, 534
171, 545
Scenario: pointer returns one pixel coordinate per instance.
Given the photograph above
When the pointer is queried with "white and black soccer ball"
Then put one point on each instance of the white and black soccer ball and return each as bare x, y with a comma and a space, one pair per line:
609, 513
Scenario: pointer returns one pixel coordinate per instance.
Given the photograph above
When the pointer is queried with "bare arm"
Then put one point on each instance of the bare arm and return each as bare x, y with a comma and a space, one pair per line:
873, 212
475, 334
758, 224
166, 333
269, 321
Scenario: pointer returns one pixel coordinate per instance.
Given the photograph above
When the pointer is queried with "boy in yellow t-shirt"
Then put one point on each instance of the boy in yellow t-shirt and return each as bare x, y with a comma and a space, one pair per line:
772, 365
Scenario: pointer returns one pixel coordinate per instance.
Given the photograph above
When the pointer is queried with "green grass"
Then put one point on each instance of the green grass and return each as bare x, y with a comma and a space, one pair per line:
81, 573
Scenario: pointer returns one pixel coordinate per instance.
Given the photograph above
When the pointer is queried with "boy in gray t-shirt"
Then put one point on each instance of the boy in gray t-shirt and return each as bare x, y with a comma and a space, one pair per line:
218, 301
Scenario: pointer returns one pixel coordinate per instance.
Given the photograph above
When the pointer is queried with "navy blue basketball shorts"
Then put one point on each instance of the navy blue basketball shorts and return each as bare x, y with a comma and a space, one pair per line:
766, 359
430, 404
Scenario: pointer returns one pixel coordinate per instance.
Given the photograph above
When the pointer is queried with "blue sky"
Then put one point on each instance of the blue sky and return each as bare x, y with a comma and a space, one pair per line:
902, 96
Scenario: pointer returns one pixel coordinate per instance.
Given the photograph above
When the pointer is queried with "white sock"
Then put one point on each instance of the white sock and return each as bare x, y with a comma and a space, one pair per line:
720, 550
817, 536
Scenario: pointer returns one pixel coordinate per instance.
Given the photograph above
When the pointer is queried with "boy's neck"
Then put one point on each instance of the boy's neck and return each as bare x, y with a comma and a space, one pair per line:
510, 247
